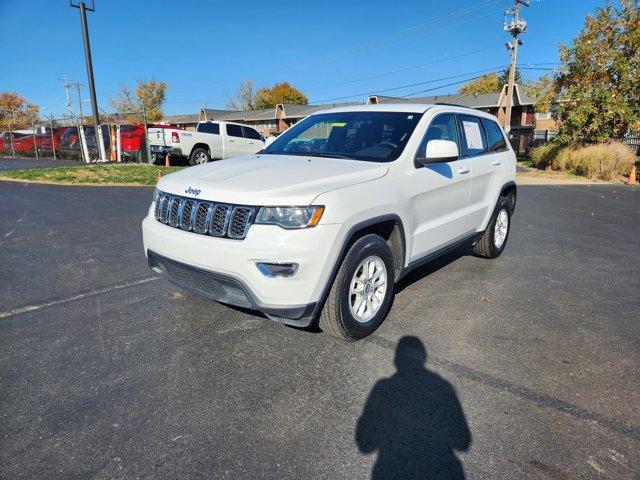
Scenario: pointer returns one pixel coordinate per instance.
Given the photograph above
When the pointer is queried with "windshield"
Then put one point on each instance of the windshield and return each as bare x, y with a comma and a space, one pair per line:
369, 136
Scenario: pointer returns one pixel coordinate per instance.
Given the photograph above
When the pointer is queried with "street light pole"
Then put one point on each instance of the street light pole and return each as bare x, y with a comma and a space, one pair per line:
92, 87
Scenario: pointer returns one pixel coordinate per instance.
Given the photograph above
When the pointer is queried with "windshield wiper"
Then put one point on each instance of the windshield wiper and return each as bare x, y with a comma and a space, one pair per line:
326, 155
310, 154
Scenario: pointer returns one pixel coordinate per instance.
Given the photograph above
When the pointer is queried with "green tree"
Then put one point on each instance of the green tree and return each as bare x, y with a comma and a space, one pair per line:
598, 91
538, 90
150, 93
279, 93
504, 77
16, 113
488, 83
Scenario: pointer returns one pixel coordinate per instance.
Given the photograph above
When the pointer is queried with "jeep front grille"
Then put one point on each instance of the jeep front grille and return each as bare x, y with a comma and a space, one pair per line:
203, 217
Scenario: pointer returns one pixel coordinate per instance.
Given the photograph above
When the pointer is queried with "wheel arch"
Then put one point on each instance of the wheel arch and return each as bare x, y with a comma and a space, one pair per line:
204, 146
510, 190
389, 227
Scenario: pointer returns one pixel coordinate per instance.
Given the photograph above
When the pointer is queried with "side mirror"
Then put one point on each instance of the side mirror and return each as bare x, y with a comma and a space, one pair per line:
438, 151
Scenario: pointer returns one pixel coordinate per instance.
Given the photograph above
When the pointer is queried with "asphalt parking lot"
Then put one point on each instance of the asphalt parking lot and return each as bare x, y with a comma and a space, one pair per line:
107, 371
8, 163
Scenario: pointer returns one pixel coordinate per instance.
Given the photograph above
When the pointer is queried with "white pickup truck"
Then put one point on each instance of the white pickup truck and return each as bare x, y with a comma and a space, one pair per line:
210, 141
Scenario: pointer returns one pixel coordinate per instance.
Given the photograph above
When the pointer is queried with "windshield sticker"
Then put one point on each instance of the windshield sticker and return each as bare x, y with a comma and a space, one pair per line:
472, 132
409, 117
338, 124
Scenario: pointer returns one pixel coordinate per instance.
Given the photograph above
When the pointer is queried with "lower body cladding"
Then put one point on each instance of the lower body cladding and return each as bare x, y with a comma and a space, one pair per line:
249, 273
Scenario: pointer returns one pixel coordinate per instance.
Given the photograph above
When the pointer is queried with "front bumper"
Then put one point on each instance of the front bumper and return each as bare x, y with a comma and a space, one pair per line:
227, 289
225, 269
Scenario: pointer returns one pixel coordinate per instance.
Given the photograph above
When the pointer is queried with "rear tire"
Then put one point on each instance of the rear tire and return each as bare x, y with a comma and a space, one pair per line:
343, 315
199, 156
494, 238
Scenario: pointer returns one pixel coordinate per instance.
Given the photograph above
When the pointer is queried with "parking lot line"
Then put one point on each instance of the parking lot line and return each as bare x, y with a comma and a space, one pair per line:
90, 293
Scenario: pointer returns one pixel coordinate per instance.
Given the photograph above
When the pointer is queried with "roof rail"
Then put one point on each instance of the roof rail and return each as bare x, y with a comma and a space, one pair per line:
451, 104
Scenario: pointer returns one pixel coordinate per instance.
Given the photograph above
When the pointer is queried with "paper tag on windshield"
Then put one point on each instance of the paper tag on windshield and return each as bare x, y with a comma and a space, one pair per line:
472, 132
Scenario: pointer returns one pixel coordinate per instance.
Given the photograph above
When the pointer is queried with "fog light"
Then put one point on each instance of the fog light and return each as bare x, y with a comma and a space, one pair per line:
277, 269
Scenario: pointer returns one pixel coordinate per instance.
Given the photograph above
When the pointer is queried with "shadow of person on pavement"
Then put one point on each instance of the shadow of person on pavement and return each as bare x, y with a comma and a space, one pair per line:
414, 421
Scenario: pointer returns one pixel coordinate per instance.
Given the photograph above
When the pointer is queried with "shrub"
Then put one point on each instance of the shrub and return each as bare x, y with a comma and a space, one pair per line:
604, 161
544, 154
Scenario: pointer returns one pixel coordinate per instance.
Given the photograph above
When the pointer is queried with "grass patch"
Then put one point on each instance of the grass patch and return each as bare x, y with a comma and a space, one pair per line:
92, 174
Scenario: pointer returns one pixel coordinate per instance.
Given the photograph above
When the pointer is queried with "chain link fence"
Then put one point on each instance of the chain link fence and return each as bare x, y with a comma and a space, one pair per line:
523, 140
64, 138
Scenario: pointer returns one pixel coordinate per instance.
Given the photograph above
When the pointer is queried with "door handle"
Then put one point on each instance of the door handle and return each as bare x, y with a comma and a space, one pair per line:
496, 162
463, 170
231, 141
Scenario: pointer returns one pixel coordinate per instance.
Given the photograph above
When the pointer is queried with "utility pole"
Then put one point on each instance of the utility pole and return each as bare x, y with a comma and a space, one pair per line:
78, 85
515, 28
92, 87
68, 83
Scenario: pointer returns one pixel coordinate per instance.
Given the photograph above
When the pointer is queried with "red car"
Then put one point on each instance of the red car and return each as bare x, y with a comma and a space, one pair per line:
49, 141
25, 144
132, 141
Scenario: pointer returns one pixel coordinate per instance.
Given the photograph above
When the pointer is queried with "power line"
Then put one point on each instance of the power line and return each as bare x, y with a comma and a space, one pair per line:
408, 32
485, 70
436, 21
447, 85
391, 72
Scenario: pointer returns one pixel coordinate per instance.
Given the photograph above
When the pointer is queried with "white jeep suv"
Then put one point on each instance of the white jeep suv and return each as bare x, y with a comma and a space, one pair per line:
323, 222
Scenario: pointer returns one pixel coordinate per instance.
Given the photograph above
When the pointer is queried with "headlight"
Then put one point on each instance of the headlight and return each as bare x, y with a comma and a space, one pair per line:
290, 217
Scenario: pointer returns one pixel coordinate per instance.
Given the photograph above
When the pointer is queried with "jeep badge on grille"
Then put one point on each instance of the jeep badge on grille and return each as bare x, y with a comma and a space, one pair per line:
193, 191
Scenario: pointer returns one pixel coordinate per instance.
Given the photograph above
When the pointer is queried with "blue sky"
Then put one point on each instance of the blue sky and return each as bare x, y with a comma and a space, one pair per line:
330, 49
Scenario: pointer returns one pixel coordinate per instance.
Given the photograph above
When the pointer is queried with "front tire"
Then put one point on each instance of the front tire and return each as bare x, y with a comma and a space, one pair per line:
361, 293
199, 156
494, 239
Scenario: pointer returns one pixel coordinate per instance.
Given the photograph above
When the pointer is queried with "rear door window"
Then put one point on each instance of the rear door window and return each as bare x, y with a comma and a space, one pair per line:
495, 138
474, 136
234, 130
212, 128
251, 133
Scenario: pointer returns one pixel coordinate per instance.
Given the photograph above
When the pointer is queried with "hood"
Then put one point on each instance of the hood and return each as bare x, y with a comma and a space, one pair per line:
269, 179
